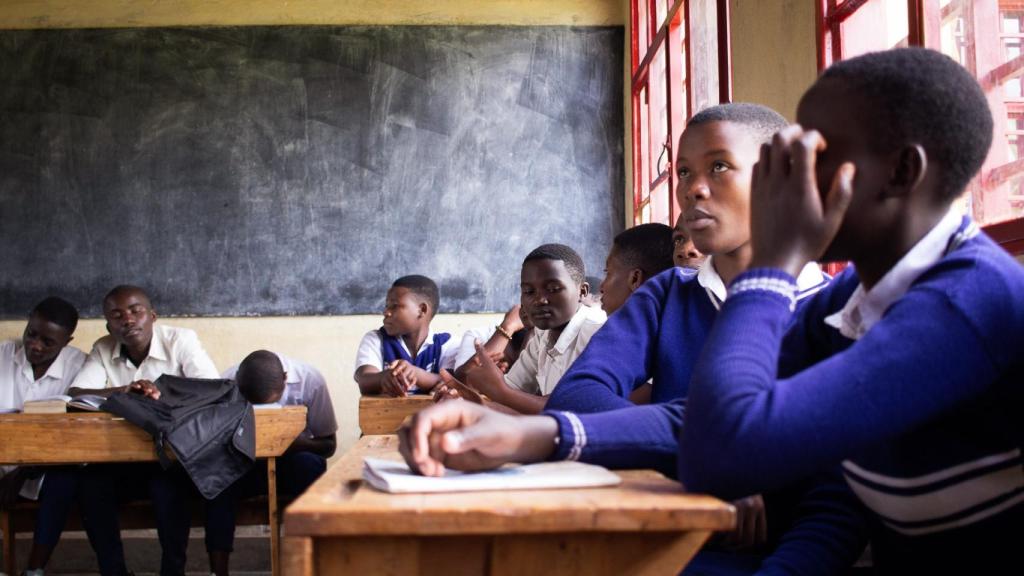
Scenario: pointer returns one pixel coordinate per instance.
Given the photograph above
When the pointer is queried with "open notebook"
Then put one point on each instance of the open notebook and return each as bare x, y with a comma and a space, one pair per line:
395, 477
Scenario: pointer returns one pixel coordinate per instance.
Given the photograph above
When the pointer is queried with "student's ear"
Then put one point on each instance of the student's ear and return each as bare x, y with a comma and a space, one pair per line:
909, 167
584, 290
636, 278
152, 314
107, 326
424, 309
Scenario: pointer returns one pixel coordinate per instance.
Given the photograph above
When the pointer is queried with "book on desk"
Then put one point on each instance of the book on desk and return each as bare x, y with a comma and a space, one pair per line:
60, 403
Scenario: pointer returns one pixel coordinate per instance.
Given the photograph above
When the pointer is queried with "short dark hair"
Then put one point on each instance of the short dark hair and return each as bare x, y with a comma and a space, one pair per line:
916, 95
573, 262
647, 247
126, 289
59, 311
423, 287
260, 376
761, 121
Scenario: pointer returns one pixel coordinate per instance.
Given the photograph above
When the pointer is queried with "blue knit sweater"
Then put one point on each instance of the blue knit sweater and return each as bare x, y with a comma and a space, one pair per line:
925, 412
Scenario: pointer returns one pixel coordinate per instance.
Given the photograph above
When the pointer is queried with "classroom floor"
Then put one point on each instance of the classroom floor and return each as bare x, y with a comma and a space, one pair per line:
73, 555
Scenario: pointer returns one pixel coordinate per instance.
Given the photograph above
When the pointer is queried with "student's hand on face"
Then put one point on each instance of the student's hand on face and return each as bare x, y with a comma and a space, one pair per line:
393, 383
513, 320
792, 223
146, 388
484, 375
751, 524
467, 436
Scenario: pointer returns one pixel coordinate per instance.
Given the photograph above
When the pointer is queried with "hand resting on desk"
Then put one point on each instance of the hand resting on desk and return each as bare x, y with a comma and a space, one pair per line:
466, 436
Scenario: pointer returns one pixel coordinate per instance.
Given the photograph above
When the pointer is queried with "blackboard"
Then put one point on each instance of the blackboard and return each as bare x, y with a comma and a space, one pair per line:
299, 170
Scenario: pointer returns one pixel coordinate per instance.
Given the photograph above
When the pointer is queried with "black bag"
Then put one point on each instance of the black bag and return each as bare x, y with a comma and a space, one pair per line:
207, 423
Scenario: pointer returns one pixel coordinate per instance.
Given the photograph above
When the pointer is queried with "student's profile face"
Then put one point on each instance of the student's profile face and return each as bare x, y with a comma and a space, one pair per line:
130, 319
403, 312
548, 293
43, 340
715, 164
684, 253
835, 112
615, 288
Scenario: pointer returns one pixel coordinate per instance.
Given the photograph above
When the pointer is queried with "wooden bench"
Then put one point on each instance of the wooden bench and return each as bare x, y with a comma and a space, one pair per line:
51, 439
383, 414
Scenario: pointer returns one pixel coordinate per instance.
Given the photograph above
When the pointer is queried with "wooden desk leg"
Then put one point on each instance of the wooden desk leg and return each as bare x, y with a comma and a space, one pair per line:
275, 524
297, 556
7, 526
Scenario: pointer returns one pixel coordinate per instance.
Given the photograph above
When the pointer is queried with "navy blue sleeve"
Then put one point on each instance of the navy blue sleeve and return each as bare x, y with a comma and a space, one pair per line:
748, 432
636, 437
618, 358
828, 533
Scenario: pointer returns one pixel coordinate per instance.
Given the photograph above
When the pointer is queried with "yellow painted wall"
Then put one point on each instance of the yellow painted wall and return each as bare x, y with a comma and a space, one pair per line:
774, 57
135, 13
326, 342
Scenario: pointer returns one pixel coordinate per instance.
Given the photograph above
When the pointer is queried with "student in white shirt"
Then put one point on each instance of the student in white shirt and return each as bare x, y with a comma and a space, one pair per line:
39, 365
504, 342
264, 377
130, 358
137, 351
552, 293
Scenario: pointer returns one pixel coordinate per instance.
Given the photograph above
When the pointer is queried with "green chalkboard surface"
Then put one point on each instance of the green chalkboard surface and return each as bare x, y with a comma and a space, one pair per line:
299, 170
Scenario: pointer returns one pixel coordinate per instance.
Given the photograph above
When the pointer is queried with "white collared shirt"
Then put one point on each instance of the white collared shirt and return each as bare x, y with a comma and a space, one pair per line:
542, 363
18, 383
370, 353
174, 351
808, 282
304, 385
866, 307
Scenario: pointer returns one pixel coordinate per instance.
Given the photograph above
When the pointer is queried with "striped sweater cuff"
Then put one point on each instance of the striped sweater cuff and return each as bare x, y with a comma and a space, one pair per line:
572, 437
766, 281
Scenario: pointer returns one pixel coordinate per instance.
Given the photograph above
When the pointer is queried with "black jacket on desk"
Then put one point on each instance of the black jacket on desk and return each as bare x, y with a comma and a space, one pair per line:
207, 423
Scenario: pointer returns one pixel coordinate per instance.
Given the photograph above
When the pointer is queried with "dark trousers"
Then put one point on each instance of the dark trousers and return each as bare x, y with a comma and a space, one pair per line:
60, 490
103, 488
295, 473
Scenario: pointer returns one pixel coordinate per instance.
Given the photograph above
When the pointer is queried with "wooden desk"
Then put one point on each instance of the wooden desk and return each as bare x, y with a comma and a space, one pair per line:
645, 526
95, 437
383, 415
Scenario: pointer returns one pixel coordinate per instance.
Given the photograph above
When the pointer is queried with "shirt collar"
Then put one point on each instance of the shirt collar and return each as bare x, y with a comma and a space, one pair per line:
56, 370
572, 329
865, 307
157, 347
709, 279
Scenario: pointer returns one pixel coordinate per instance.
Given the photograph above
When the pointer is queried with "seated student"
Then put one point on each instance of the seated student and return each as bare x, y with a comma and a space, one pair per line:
503, 343
130, 358
404, 356
639, 253
264, 377
684, 254
41, 364
552, 293
660, 330
913, 355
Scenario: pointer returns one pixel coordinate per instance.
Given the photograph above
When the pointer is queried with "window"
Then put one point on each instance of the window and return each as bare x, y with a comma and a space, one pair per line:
987, 38
677, 69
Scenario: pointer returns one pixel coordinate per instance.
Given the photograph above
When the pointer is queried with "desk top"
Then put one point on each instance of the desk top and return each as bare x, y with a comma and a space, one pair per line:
339, 503
77, 437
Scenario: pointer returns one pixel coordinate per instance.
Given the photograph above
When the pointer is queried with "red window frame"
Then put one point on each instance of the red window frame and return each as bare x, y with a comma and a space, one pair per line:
925, 19
655, 87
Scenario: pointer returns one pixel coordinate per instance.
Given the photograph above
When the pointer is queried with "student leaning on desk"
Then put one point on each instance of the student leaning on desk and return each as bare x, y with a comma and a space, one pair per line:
41, 364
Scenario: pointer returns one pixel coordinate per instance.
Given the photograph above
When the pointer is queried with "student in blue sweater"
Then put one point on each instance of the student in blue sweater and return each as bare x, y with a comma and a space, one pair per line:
404, 356
658, 332
908, 368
